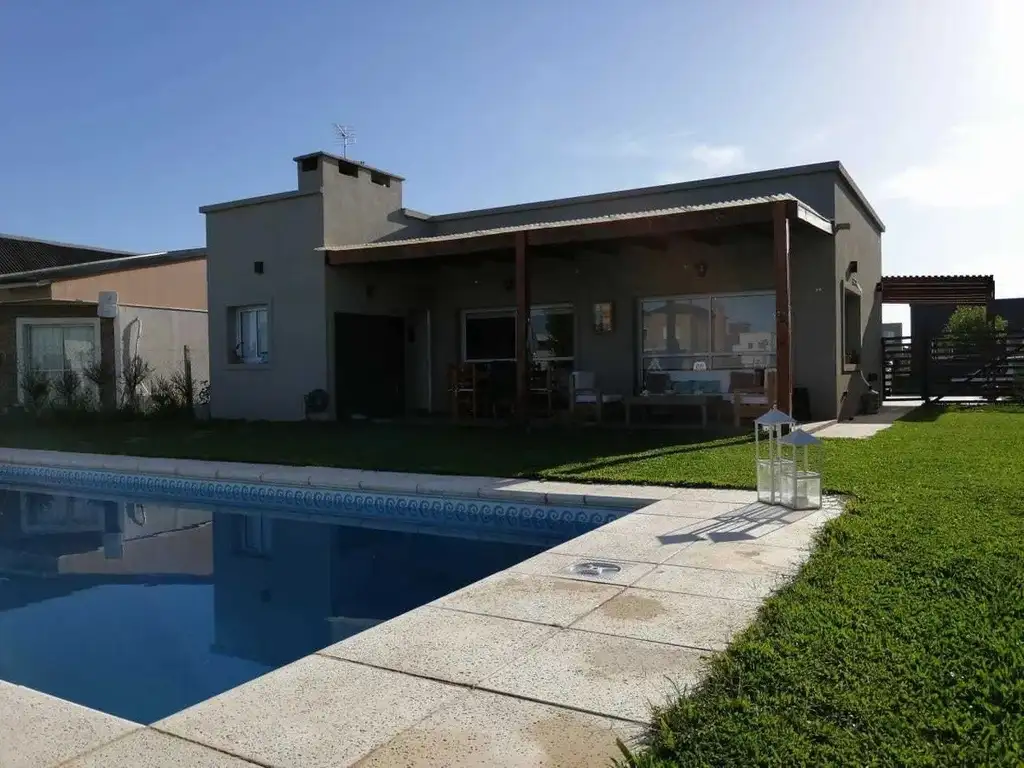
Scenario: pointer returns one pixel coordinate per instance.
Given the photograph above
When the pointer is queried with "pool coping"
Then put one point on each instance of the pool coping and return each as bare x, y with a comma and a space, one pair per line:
532, 644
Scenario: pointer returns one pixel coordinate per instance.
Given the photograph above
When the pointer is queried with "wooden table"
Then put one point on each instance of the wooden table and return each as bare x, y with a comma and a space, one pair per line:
671, 401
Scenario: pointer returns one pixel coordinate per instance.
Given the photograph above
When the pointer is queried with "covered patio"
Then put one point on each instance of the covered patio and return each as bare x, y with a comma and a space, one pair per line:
678, 307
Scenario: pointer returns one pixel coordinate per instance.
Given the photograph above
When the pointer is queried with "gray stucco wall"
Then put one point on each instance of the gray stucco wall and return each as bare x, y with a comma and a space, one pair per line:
862, 243
284, 235
159, 336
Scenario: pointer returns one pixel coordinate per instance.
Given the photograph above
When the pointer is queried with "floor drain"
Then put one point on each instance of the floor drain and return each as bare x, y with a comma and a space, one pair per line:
594, 569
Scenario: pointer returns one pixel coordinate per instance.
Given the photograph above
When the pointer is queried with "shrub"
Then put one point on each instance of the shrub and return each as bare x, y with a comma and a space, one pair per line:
36, 387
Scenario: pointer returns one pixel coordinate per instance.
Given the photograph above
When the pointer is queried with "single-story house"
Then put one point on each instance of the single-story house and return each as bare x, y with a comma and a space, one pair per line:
69, 306
336, 286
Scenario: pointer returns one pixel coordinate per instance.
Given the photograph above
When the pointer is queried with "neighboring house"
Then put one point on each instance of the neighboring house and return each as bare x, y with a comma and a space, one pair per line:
50, 315
892, 330
337, 286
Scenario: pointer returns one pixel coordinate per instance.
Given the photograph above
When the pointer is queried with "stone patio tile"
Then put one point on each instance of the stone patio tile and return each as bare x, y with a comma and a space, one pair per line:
286, 475
697, 509
553, 564
745, 557
120, 463
391, 482
456, 485
242, 473
530, 598
636, 537
315, 713
724, 495
488, 730
147, 748
800, 534
626, 495
710, 583
530, 491
615, 676
200, 470
157, 466
667, 617
446, 645
332, 477
40, 731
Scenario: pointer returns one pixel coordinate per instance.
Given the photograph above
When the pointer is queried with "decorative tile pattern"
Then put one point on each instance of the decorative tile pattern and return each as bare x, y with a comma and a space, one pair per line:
561, 521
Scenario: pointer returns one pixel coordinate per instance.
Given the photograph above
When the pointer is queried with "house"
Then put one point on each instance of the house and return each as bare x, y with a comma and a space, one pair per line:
50, 313
336, 286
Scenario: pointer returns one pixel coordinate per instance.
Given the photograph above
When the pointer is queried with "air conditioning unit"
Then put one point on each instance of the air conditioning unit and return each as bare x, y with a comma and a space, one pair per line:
107, 304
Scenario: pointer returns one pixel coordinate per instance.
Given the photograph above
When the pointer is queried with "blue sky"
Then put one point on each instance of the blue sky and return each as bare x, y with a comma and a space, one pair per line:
120, 118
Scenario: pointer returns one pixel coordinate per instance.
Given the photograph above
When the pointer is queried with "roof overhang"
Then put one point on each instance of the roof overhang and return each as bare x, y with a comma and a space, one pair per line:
937, 289
614, 227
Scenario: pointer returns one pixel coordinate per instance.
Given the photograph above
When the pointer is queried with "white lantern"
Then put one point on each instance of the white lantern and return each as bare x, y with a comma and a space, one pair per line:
801, 470
767, 454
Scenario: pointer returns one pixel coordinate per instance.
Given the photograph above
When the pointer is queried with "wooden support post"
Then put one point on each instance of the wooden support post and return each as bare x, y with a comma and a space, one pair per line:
522, 329
783, 310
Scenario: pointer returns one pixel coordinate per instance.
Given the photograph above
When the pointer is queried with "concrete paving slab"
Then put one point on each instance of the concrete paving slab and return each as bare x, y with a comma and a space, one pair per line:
724, 495
147, 748
695, 509
245, 473
525, 597
332, 477
705, 623
151, 466
392, 482
615, 676
452, 646
286, 475
729, 585
41, 731
745, 557
636, 537
488, 730
851, 430
551, 564
800, 534
315, 713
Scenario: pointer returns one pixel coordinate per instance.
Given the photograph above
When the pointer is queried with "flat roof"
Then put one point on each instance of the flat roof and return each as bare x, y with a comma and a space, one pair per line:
350, 161
686, 217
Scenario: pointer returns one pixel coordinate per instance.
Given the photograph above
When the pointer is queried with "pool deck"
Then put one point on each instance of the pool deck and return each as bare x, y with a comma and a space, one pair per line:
534, 666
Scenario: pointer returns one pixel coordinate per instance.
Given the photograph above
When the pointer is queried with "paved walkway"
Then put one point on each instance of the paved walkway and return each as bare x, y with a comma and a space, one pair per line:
544, 664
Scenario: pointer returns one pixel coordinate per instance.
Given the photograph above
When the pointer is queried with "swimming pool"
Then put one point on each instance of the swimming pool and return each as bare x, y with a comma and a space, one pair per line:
140, 596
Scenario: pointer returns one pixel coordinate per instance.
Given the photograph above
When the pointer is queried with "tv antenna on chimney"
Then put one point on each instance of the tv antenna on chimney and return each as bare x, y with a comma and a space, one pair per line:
346, 136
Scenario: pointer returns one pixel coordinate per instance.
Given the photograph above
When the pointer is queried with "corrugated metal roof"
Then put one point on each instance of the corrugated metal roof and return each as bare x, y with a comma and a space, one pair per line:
22, 254
728, 204
105, 265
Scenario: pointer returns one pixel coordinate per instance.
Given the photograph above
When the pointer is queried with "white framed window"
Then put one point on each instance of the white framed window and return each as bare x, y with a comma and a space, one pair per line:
726, 331
252, 335
489, 335
51, 346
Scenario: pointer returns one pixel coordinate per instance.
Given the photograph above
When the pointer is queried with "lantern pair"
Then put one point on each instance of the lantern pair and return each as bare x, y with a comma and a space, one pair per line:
788, 462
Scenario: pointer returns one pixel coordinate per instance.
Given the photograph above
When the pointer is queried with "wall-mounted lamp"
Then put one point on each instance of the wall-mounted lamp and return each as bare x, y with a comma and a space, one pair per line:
842, 226
851, 268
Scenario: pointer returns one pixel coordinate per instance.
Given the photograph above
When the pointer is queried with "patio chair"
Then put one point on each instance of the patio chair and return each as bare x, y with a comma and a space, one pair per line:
749, 399
542, 385
463, 385
585, 392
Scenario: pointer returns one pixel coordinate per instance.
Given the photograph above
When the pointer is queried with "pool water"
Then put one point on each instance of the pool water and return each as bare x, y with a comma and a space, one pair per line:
141, 609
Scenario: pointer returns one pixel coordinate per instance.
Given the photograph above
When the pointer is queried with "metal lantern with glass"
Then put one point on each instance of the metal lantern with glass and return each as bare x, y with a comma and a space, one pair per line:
801, 470
771, 426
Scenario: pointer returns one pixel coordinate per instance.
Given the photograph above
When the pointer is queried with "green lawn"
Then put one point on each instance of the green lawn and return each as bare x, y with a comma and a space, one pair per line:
900, 643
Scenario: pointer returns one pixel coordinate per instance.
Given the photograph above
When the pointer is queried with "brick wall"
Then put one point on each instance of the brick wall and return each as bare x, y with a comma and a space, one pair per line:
9, 314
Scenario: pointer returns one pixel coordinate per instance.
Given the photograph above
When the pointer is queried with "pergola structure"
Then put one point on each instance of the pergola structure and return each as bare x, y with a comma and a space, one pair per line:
773, 216
938, 289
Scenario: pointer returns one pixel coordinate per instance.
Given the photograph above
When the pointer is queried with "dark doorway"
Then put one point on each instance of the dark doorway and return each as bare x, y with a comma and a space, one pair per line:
369, 365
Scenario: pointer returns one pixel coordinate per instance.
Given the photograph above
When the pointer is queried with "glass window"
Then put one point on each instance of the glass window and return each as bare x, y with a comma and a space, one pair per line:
744, 328
489, 336
252, 340
53, 349
851, 327
702, 333
552, 333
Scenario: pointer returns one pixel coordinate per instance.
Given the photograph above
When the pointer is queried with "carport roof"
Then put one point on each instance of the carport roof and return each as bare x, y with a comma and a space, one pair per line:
633, 224
937, 289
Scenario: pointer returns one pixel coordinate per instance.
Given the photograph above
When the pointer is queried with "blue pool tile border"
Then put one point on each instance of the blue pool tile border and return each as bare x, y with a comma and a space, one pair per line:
437, 511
